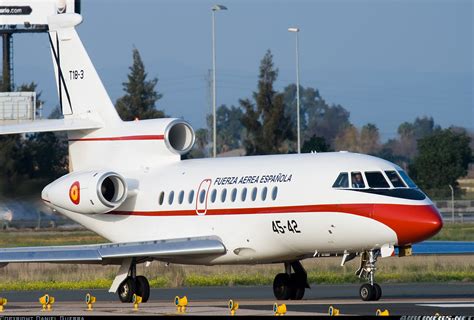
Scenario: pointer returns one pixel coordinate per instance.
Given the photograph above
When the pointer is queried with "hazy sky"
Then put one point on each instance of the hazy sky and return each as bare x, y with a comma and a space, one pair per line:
385, 61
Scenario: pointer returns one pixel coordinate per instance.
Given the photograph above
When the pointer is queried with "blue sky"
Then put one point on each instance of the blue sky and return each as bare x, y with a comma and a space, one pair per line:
385, 61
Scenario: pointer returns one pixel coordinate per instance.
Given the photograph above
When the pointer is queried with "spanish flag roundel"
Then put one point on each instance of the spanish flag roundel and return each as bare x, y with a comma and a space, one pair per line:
75, 193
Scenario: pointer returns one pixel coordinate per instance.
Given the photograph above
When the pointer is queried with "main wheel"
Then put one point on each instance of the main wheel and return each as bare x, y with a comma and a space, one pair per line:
367, 292
298, 283
126, 290
378, 292
282, 288
143, 288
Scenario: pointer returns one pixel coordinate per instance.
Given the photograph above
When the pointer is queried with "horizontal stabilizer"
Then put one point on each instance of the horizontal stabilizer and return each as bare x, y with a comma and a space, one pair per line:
48, 125
113, 253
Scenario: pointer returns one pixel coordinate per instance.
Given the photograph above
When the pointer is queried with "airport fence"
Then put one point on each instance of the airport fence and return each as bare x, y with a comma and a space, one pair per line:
457, 211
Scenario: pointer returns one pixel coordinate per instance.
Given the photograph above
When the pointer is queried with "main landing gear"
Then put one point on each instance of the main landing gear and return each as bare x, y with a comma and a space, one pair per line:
290, 285
370, 291
134, 284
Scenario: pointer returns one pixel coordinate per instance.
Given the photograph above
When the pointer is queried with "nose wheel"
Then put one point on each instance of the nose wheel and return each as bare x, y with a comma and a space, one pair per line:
370, 291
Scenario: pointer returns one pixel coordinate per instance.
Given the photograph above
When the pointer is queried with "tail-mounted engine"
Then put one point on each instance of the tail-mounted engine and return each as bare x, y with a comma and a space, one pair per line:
87, 192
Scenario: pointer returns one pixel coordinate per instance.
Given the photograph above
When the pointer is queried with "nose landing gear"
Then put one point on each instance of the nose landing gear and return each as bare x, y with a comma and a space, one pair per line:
290, 285
370, 291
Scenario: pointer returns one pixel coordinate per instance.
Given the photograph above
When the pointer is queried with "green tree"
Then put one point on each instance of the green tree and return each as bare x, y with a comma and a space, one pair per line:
369, 139
267, 126
443, 157
229, 128
316, 144
141, 96
317, 118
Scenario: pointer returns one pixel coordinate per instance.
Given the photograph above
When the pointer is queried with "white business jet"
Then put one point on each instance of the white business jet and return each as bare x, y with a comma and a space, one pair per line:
129, 185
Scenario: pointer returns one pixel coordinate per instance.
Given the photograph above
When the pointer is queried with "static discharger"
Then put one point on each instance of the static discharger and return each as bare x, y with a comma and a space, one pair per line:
382, 313
181, 303
333, 311
136, 300
90, 300
279, 310
3, 303
47, 302
233, 306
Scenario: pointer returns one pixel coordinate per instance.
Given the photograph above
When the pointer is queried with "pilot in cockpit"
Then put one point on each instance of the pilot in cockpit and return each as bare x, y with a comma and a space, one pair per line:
357, 181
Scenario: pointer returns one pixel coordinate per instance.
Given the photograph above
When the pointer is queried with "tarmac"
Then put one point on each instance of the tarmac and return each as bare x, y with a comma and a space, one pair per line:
447, 299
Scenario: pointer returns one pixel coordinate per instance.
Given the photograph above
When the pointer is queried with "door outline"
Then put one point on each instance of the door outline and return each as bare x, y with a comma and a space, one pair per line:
204, 185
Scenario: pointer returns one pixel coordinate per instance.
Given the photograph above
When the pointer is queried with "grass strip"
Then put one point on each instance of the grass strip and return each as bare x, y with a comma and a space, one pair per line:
194, 280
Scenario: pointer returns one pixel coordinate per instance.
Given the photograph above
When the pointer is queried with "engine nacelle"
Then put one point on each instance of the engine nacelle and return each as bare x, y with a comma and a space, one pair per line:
87, 192
179, 137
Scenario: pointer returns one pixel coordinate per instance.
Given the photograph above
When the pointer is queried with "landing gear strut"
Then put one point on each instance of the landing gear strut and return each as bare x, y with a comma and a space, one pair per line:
134, 284
290, 285
370, 291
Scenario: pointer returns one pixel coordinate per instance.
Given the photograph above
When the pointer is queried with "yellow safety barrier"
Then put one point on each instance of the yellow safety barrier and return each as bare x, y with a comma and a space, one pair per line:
3, 303
382, 313
136, 300
47, 302
279, 310
181, 303
333, 311
233, 306
90, 300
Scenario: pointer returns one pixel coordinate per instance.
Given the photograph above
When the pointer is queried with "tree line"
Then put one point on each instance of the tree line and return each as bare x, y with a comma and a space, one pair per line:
263, 124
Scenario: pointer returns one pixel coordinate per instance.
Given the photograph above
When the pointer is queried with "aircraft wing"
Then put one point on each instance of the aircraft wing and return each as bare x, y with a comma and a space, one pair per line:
48, 125
114, 253
443, 247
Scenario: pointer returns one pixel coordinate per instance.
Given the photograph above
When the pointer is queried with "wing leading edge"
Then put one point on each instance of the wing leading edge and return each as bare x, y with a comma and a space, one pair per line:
114, 253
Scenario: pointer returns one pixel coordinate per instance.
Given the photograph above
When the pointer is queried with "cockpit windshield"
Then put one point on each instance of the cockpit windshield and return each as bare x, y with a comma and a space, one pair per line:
407, 179
395, 179
374, 180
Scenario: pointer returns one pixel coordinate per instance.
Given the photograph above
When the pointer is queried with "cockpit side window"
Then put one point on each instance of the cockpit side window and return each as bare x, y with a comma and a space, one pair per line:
407, 179
376, 179
357, 180
342, 181
395, 179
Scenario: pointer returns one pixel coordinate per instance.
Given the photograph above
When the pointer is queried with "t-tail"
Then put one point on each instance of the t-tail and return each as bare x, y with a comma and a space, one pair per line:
98, 138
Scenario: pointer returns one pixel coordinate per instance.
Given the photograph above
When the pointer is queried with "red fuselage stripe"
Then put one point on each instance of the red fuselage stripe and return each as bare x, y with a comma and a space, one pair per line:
126, 138
359, 209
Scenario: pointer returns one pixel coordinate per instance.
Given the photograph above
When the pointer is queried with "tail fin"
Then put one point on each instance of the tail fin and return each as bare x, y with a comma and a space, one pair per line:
81, 92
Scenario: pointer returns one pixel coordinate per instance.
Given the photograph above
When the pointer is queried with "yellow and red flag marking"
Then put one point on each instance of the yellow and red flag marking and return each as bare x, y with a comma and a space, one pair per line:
75, 193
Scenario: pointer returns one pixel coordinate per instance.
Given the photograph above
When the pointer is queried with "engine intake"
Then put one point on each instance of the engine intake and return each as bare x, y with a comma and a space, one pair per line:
179, 137
87, 192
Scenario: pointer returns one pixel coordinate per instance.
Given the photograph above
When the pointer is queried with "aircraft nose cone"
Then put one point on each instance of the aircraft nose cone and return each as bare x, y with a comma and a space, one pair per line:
411, 223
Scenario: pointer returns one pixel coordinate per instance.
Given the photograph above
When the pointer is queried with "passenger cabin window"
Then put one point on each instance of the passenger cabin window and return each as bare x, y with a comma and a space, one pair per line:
233, 196
181, 197
161, 198
376, 179
223, 195
202, 196
171, 198
243, 196
274, 193
342, 181
254, 193
407, 179
264, 193
357, 180
191, 196
395, 179
213, 195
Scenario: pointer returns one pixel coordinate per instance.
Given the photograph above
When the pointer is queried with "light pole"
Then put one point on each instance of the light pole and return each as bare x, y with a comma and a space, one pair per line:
215, 8
296, 31
452, 203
